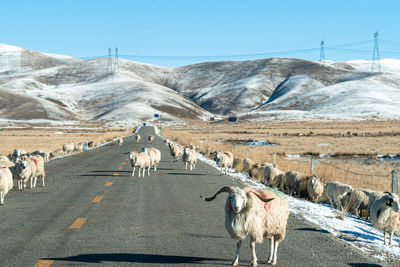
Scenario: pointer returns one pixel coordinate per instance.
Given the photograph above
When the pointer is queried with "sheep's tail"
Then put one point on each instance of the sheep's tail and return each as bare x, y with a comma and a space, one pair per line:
261, 198
226, 189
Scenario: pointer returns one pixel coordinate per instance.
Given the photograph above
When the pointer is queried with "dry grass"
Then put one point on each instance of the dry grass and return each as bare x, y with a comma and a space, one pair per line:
50, 139
346, 140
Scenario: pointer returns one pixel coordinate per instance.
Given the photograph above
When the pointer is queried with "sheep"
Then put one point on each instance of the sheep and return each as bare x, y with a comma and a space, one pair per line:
257, 173
151, 138
22, 172
385, 215
190, 158
258, 213
175, 150
78, 147
56, 153
296, 183
68, 147
37, 165
273, 176
335, 192
224, 160
137, 138
120, 141
315, 189
167, 141
155, 156
6, 182
242, 165
44, 155
140, 160
16, 154
5, 161
356, 201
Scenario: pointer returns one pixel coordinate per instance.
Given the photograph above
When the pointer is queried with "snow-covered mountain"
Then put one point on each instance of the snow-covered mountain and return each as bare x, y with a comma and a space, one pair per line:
56, 87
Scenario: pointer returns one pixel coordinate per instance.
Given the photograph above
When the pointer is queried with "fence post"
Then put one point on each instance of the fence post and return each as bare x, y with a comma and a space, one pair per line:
274, 159
312, 167
395, 187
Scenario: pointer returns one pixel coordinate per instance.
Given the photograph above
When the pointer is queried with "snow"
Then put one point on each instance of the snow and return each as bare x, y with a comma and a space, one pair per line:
351, 229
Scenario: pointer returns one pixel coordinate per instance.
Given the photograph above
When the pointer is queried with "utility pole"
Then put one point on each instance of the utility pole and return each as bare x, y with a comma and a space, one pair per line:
376, 65
109, 62
116, 62
322, 52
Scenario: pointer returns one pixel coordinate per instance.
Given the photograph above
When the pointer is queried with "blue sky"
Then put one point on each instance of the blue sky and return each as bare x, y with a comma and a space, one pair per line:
202, 28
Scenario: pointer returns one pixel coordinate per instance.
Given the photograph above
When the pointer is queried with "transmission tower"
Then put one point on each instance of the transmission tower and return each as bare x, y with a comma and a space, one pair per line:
376, 65
116, 62
322, 52
109, 62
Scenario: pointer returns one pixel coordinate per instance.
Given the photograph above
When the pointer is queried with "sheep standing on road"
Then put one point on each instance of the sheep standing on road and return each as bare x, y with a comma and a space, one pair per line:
155, 156
68, 148
120, 141
22, 173
315, 189
385, 215
258, 213
335, 192
140, 160
37, 165
44, 155
190, 158
224, 160
6, 182
175, 150
137, 138
151, 138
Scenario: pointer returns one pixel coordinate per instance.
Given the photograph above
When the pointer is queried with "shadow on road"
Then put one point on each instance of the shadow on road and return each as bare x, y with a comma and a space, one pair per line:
364, 265
312, 230
186, 173
138, 258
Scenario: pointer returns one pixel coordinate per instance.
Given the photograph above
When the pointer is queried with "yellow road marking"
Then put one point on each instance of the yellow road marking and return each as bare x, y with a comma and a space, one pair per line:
108, 183
77, 224
97, 199
115, 174
127, 159
43, 263
120, 168
123, 163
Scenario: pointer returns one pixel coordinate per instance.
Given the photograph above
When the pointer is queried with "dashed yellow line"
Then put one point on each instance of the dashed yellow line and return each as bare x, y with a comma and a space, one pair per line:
77, 224
97, 199
108, 183
115, 174
43, 263
123, 163
120, 168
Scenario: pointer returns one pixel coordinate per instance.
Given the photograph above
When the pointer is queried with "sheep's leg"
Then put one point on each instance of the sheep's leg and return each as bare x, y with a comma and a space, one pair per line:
31, 182
34, 182
20, 185
148, 171
194, 166
390, 238
155, 167
271, 249
384, 237
191, 166
253, 252
1, 198
139, 169
235, 261
43, 180
275, 252
186, 164
133, 171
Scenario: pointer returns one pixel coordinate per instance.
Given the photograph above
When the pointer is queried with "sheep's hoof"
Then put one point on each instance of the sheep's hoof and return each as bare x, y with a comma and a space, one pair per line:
235, 263
253, 264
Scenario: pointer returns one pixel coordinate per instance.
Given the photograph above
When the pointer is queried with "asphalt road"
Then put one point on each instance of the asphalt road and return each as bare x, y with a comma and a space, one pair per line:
119, 220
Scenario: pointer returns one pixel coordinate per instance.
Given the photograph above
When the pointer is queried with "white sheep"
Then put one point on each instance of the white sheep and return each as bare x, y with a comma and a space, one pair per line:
224, 160
36, 164
140, 160
190, 158
137, 138
151, 138
68, 147
16, 154
335, 192
385, 215
78, 147
6, 182
271, 175
120, 141
315, 188
44, 155
356, 201
258, 213
175, 150
155, 156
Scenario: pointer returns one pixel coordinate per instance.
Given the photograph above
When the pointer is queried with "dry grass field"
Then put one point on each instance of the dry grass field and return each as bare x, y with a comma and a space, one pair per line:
49, 139
353, 146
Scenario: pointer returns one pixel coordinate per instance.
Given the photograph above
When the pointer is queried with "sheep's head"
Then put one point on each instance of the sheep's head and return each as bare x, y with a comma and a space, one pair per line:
21, 165
237, 198
392, 201
132, 155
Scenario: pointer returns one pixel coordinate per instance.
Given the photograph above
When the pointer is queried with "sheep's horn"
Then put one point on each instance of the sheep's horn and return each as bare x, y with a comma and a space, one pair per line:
226, 189
261, 198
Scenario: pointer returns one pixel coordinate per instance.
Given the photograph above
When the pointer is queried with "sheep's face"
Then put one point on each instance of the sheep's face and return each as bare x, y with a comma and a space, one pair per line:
314, 180
237, 200
392, 201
